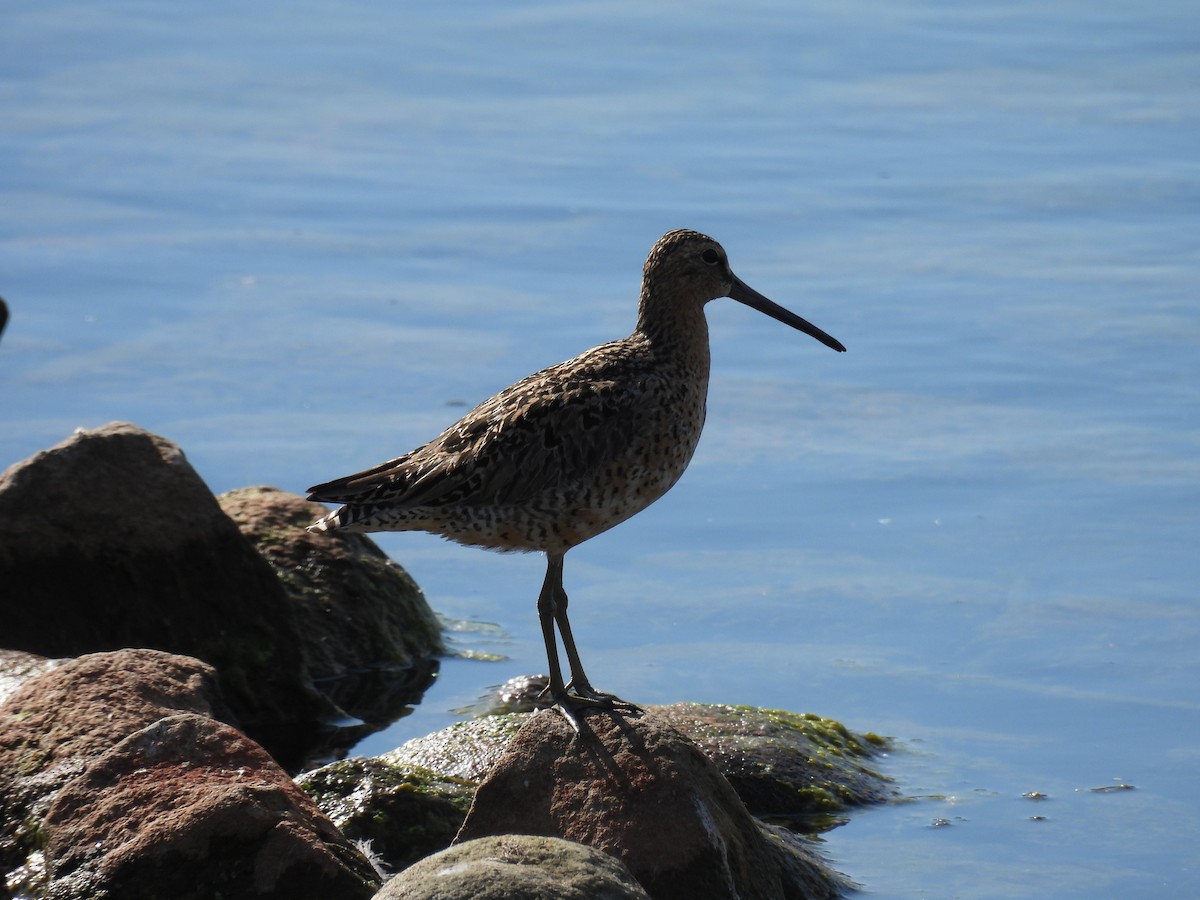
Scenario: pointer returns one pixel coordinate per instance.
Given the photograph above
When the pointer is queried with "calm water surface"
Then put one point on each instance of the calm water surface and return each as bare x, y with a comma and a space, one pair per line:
297, 239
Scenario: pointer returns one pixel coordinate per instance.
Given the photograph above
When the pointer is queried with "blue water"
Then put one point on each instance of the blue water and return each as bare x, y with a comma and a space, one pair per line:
297, 238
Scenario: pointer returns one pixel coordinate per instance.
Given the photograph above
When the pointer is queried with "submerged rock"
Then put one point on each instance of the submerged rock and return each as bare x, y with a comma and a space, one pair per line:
516, 867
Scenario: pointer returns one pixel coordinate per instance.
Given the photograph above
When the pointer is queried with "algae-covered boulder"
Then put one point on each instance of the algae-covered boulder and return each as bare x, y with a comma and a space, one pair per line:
402, 812
783, 763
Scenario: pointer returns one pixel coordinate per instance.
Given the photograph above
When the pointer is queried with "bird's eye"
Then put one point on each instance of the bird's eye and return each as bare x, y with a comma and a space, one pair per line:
711, 256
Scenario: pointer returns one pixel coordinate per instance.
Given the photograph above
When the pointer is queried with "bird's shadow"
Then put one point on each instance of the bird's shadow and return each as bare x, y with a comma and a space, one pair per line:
622, 732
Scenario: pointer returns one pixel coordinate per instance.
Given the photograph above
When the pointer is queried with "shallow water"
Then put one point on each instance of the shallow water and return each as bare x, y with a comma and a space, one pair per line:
297, 240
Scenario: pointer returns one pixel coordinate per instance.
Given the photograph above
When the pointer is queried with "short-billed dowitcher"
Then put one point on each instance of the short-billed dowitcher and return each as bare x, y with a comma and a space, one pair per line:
572, 450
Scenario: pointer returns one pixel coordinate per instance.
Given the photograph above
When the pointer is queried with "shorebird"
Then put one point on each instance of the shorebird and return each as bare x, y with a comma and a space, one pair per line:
572, 450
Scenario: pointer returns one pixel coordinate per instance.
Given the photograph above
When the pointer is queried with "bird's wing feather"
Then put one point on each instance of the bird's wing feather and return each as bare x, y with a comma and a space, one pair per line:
553, 427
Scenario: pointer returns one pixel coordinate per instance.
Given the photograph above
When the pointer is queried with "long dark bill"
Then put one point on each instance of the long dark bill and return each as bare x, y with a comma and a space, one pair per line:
743, 293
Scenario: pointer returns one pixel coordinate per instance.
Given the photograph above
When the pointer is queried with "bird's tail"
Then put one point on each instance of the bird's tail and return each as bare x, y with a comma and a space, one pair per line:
327, 522
347, 518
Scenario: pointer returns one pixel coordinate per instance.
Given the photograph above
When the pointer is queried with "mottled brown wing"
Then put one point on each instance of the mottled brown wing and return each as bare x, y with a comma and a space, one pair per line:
554, 428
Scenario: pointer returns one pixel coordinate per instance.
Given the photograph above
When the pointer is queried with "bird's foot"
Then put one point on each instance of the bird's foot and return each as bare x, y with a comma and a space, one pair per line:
573, 699
590, 696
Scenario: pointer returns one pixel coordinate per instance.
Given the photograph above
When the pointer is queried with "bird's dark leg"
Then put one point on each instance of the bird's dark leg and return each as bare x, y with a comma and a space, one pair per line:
548, 601
552, 610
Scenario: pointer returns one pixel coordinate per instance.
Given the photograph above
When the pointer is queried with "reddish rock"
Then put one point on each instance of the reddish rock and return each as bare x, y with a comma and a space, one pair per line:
516, 867
57, 723
189, 808
639, 790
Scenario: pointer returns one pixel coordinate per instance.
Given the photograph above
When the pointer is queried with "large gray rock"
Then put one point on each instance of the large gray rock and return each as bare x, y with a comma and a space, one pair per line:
639, 790
516, 867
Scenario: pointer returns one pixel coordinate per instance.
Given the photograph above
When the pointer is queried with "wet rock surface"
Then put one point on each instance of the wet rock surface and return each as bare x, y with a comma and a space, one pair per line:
402, 812
782, 763
466, 750
516, 867
639, 790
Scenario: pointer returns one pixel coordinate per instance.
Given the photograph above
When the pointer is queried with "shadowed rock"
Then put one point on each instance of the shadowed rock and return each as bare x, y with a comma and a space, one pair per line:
367, 636
405, 812
121, 544
110, 539
640, 791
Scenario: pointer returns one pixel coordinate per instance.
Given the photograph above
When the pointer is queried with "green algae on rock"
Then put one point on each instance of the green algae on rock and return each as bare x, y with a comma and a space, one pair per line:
404, 812
783, 763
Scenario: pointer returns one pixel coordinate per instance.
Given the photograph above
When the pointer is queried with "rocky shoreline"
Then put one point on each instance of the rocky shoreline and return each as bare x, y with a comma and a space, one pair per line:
177, 666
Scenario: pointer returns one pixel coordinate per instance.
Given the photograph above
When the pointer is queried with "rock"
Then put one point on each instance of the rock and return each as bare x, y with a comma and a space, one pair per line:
465, 750
784, 764
781, 764
516, 867
788, 767
522, 693
122, 545
402, 812
189, 808
412, 801
367, 636
59, 722
638, 789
